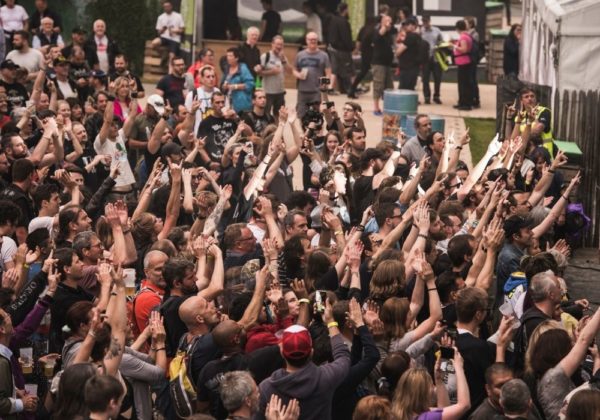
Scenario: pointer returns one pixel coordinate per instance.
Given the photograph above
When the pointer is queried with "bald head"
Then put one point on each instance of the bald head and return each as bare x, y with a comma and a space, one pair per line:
153, 257
99, 28
227, 334
192, 310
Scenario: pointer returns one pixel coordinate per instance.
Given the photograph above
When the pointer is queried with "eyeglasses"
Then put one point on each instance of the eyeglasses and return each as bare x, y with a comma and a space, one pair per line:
348, 109
246, 239
98, 245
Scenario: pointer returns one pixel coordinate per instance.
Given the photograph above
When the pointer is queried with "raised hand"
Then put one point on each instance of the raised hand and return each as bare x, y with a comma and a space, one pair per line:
354, 314
299, 288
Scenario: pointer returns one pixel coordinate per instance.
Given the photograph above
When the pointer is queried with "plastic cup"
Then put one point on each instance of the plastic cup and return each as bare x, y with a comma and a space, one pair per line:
31, 389
26, 359
129, 280
49, 368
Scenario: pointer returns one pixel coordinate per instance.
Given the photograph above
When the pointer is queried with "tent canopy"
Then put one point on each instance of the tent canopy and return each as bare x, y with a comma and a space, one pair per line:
561, 43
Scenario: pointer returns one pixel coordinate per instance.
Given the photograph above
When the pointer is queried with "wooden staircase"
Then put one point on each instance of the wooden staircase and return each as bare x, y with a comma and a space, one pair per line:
155, 63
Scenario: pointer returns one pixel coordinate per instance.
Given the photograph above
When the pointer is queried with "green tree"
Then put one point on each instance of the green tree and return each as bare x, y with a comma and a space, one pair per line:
129, 22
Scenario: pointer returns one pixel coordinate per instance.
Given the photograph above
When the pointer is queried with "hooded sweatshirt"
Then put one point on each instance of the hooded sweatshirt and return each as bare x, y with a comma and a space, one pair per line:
313, 386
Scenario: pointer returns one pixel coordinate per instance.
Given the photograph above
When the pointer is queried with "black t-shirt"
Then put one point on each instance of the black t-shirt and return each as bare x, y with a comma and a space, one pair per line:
16, 93
363, 194
261, 363
172, 87
22, 200
273, 21
410, 57
382, 47
174, 326
64, 298
257, 122
217, 131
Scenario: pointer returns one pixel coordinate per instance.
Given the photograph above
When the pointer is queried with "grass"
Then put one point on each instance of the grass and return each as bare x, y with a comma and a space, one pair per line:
482, 131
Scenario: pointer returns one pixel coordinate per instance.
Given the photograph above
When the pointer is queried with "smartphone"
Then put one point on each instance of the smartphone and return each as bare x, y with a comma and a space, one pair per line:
330, 104
320, 299
447, 353
134, 95
249, 145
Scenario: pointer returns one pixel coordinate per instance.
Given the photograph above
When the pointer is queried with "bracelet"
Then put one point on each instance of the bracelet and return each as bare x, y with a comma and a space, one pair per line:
458, 147
422, 236
563, 196
432, 289
360, 228
551, 171
113, 293
338, 232
25, 265
91, 334
415, 225
125, 232
162, 348
304, 300
333, 324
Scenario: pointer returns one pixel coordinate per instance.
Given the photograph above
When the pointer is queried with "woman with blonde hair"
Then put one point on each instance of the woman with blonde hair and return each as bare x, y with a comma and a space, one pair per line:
373, 407
415, 392
544, 326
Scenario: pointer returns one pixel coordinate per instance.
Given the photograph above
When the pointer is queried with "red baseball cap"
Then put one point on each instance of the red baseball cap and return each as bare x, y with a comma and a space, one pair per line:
296, 342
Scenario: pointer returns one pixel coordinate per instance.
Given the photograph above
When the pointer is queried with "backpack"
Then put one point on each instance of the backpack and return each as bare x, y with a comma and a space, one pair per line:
181, 387
521, 340
131, 310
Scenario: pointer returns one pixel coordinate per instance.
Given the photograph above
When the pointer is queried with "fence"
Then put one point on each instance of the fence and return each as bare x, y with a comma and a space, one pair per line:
577, 118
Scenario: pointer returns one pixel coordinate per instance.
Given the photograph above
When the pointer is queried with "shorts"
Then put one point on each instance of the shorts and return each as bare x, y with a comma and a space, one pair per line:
171, 45
382, 79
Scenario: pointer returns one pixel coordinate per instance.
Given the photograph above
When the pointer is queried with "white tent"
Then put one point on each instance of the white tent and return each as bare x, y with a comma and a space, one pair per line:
561, 44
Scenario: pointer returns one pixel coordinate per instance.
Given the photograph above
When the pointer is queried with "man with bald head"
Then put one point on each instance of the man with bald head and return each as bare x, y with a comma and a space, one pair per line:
230, 337
200, 316
153, 288
102, 47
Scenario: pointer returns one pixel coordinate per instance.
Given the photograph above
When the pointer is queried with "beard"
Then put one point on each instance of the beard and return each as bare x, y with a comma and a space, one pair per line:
438, 236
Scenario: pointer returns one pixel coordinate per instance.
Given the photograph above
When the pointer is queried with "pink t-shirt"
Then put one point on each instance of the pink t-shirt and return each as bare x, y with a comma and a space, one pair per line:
461, 59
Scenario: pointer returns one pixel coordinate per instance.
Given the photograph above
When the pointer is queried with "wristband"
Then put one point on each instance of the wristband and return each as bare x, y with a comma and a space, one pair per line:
304, 300
432, 289
360, 228
333, 324
459, 147
422, 236
551, 171
563, 196
338, 232
162, 348
25, 265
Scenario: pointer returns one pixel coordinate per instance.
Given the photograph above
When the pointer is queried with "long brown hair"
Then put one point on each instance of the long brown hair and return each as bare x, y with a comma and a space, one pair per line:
394, 313
413, 394
584, 405
387, 280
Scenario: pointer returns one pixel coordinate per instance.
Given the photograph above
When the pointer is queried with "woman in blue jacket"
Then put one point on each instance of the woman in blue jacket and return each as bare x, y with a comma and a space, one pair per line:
238, 82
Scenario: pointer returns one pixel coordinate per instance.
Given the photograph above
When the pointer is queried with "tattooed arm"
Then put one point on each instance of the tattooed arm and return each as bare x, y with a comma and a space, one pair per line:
213, 219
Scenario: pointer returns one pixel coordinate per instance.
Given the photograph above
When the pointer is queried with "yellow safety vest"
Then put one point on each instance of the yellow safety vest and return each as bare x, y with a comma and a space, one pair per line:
547, 138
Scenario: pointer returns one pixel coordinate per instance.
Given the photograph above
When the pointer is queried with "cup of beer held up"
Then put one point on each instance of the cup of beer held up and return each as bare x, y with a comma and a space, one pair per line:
26, 360
129, 280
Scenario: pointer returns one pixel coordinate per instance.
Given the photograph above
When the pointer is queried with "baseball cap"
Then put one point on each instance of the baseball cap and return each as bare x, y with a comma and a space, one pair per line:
157, 102
60, 60
171, 149
98, 74
514, 224
296, 343
8, 64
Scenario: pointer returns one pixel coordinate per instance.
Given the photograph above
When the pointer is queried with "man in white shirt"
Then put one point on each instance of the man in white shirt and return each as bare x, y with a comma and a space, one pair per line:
202, 94
169, 26
104, 48
26, 57
14, 18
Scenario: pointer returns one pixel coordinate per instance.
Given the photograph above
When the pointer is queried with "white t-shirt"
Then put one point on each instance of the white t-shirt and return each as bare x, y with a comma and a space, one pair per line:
41, 222
205, 105
12, 19
7, 251
102, 53
171, 21
32, 60
117, 150
66, 89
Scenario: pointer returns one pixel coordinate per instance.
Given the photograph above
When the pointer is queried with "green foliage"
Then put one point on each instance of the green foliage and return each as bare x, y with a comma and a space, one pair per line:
130, 22
482, 131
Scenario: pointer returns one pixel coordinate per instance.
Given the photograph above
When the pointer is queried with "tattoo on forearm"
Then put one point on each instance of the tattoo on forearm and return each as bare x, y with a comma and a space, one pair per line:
213, 219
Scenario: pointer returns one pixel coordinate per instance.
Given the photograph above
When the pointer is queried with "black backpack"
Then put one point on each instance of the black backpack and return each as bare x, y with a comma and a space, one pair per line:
521, 339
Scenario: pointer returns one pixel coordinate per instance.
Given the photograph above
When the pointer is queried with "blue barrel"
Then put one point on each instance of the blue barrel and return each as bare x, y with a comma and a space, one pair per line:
397, 104
438, 123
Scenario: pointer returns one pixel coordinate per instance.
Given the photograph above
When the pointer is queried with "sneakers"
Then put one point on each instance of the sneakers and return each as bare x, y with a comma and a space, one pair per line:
427, 101
437, 101
377, 113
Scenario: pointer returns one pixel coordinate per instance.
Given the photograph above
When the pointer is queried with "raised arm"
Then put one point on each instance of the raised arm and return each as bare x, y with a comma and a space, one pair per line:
253, 310
388, 169
108, 117
575, 357
174, 203
210, 226
215, 287
557, 210
544, 183
265, 209
130, 120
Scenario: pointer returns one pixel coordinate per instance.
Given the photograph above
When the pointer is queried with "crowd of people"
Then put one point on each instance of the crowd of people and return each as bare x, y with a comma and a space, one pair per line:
161, 261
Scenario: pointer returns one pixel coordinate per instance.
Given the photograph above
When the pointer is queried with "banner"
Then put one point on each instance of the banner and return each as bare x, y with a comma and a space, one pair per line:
358, 12
188, 12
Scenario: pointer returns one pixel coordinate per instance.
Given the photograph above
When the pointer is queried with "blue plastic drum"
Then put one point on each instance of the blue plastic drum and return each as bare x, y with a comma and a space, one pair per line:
397, 104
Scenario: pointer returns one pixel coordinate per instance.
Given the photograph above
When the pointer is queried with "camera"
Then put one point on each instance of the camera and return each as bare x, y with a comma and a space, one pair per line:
313, 116
324, 80
134, 95
329, 104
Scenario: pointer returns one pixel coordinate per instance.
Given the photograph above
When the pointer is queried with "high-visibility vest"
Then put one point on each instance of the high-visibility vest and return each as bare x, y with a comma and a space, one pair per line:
547, 138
